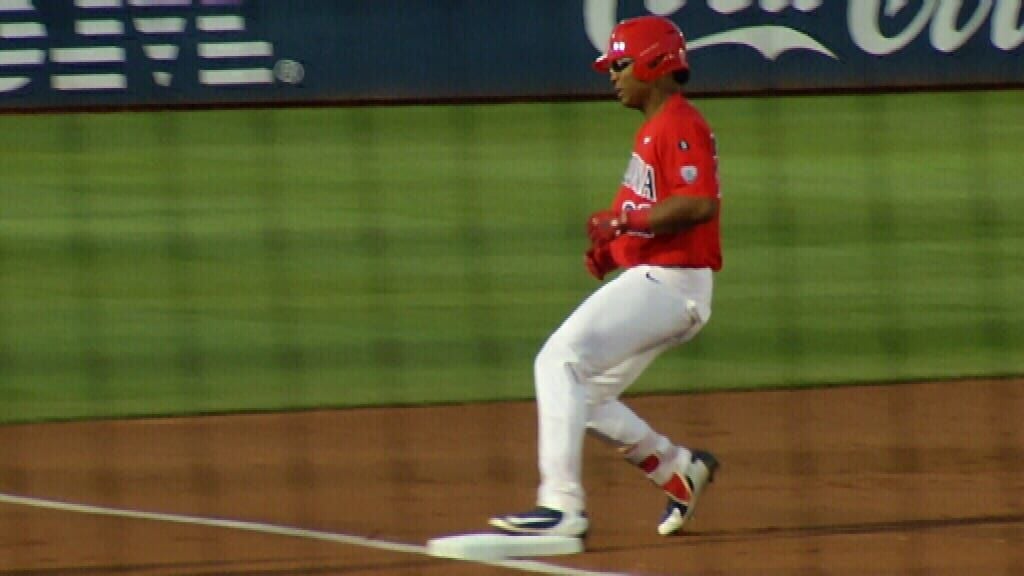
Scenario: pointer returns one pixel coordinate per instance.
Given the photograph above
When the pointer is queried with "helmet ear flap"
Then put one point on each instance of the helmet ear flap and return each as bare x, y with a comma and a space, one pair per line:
650, 70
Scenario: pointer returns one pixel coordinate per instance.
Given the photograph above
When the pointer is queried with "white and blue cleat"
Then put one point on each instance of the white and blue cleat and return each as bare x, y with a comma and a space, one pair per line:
542, 521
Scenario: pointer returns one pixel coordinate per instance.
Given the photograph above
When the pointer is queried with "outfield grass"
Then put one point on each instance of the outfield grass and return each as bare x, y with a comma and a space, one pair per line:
155, 263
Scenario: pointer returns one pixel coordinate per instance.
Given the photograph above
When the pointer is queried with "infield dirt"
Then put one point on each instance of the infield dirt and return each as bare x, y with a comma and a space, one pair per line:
905, 479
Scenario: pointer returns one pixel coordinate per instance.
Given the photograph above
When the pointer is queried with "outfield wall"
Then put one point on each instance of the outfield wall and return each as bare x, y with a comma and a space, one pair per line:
87, 53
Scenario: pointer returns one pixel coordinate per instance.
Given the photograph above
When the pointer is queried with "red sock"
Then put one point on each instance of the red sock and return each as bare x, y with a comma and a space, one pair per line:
649, 464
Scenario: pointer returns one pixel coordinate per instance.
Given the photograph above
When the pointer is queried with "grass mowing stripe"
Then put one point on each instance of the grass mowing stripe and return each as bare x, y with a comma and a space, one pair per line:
160, 263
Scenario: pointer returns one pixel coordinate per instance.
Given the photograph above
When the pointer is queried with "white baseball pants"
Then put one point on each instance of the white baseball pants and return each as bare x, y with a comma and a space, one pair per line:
600, 349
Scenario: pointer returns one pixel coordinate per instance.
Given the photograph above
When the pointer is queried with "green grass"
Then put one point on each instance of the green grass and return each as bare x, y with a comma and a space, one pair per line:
156, 263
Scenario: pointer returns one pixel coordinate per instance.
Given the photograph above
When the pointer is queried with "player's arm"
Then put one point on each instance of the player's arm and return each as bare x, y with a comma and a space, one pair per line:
690, 161
693, 180
673, 214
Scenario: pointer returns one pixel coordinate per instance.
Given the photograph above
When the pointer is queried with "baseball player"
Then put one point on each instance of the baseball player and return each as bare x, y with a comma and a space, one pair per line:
663, 231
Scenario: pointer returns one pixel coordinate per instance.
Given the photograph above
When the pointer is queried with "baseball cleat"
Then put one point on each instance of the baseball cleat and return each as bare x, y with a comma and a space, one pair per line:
684, 489
542, 521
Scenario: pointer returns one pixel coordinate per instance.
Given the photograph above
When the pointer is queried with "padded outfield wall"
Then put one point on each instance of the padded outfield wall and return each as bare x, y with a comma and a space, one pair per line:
103, 53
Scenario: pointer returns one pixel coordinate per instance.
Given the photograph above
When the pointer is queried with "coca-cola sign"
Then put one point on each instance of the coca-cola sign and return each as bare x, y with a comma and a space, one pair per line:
943, 20
112, 53
875, 27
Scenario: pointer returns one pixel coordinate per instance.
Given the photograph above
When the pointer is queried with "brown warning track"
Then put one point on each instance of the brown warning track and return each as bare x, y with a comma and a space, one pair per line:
907, 479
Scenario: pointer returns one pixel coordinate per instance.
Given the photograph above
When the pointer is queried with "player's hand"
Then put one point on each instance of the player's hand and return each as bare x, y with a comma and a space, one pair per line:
604, 226
599, 261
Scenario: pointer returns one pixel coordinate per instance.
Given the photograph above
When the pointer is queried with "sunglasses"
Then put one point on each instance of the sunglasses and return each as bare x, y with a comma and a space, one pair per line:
621, 64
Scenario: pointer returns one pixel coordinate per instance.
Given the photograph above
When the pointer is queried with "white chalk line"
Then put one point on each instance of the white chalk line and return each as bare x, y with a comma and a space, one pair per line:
533, 566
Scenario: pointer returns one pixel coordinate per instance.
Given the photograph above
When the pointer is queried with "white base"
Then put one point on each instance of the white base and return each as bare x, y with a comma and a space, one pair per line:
500, 546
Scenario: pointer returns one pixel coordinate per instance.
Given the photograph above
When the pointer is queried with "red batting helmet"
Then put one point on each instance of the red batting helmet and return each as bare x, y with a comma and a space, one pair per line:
655, 44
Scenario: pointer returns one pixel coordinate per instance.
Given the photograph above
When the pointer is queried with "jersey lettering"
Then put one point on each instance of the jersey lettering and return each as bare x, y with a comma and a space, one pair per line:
639, 178
629, 205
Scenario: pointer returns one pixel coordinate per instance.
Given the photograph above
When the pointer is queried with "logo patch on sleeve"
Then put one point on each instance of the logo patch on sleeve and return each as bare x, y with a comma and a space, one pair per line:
689, 174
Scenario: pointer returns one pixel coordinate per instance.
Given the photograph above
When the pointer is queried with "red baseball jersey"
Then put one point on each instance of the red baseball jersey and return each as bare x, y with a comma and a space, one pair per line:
674, 154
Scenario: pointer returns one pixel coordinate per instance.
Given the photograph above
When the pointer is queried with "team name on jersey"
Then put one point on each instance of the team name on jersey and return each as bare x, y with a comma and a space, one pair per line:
639, 178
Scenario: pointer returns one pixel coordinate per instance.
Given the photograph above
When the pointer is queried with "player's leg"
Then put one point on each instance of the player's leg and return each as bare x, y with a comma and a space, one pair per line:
629, 319
664, 462
634, 315
615, 422
682, 474
628, 316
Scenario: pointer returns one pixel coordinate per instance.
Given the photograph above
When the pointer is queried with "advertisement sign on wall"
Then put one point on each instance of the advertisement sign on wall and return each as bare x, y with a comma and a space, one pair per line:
87, 53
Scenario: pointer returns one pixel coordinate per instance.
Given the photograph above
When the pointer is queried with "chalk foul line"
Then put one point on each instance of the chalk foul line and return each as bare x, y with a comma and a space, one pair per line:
533, 566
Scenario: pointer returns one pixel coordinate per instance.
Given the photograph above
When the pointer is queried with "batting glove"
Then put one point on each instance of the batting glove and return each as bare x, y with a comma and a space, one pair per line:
604, 226
607, 225
599, 261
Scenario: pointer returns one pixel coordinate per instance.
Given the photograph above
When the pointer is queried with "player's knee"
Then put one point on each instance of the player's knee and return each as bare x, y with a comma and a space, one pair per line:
557, 354
552, 356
